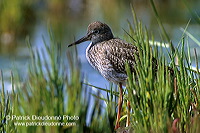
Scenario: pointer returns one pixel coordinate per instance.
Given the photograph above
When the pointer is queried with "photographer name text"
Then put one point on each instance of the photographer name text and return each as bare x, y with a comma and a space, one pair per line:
43, 118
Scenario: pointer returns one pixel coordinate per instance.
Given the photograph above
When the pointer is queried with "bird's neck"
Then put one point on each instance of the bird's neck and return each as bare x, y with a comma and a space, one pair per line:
102, 38
89, 47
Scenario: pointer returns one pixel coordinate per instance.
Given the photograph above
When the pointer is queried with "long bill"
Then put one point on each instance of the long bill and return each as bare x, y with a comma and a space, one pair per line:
83, 39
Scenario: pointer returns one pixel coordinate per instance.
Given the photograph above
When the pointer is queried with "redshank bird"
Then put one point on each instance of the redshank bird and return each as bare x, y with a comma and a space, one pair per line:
109, 55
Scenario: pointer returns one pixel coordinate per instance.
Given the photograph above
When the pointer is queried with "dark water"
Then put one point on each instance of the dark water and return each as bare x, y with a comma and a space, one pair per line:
69, 20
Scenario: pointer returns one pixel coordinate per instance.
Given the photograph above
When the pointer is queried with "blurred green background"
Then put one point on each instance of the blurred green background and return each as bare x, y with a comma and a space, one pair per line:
69, 20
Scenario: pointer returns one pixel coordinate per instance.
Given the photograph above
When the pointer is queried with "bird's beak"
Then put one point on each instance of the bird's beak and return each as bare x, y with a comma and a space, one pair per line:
83, 39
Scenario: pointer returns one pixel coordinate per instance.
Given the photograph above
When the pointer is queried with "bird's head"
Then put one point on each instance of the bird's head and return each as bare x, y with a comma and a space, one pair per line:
96, 32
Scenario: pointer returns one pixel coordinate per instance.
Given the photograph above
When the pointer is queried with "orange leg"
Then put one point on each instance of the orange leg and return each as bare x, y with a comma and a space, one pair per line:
128, 113
120, 101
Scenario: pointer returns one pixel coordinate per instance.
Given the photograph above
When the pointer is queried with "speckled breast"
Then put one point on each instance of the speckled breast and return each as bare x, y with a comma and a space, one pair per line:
99, 57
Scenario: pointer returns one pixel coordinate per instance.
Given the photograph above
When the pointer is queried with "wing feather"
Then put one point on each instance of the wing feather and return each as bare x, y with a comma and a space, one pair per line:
118, 52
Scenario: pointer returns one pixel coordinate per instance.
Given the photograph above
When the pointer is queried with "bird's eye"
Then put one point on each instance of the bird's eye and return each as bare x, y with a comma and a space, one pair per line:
96, 31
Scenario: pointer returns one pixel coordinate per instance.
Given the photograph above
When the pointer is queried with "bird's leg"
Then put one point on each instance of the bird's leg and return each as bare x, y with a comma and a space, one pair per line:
128, 113
120, 101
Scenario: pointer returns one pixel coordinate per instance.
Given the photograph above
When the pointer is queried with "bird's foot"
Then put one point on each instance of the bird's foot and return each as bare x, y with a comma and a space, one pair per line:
125, 130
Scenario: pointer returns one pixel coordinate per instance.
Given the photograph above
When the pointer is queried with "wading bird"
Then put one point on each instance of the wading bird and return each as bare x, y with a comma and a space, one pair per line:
109, 55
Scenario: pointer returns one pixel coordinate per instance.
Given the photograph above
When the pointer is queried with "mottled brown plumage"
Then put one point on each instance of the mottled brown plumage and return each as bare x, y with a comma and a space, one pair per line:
109, 58
108, 55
